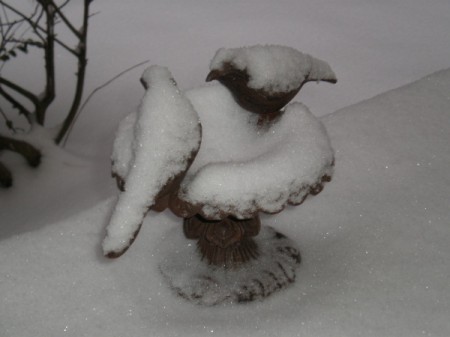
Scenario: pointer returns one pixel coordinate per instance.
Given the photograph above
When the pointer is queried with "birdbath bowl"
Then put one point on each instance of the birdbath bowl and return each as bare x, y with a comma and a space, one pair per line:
238, 150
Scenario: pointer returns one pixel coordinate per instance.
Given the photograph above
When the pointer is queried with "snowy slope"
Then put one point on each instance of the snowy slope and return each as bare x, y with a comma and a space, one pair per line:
374, 244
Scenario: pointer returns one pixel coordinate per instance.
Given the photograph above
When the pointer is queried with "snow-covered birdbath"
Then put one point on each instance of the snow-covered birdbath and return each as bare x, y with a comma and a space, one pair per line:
217, 156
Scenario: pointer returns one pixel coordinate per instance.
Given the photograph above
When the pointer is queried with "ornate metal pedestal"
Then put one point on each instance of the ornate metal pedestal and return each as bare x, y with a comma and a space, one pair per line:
223, 254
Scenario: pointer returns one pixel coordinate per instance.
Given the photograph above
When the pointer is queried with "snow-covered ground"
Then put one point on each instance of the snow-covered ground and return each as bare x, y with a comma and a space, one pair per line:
375, 242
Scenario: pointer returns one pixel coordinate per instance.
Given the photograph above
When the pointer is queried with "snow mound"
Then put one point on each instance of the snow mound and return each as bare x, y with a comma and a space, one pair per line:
375, 243
242, 169
274, 68
165, 135
203, 284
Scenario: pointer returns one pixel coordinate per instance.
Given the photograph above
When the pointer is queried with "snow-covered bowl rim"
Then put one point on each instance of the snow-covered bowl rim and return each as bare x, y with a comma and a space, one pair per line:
298, 161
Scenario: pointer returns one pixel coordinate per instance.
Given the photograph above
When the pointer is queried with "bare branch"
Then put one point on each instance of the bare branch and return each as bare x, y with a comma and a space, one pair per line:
9, 123
64, 19
94, 14
5, 13
17, 21
27, 94
16, 104
29, 152
37, 29
66, 47
42, 22
49, 57
64, 4
34, 24
6, 179
82, 63
93, 92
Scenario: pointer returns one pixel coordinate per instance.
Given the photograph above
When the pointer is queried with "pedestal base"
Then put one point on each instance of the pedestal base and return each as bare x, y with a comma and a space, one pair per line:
195, 280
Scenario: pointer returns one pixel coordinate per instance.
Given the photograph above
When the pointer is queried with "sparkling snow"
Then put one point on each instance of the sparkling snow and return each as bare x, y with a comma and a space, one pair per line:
375, 242
242, 168
374, 245
273, 68
166, 133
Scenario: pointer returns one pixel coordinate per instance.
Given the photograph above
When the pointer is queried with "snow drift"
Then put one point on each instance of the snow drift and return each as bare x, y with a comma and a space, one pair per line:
374, 245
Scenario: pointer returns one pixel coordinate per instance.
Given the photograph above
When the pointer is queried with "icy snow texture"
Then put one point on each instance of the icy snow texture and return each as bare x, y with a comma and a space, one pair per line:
122, 155
240, 169
273, 68
375, 242
200, 283
165, 134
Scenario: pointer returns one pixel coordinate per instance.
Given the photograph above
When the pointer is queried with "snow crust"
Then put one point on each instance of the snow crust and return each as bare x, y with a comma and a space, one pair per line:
152, 147
53, 280
374, 242
122, 154
240, 168
200, 283
272, 67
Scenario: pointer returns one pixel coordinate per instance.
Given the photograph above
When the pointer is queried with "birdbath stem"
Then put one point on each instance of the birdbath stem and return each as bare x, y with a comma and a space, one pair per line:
227, 242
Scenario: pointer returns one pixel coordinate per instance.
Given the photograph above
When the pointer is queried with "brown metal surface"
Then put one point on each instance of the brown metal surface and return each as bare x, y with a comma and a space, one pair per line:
226, 242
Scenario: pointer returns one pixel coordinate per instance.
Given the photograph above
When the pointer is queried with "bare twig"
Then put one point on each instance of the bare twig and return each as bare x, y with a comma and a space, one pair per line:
9, 124
34, 24
29, 152
37, 29
93, 92
49, 57
64, 4
20, 90
82, 63
6, 179
63, 17
16, 104
94, 14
